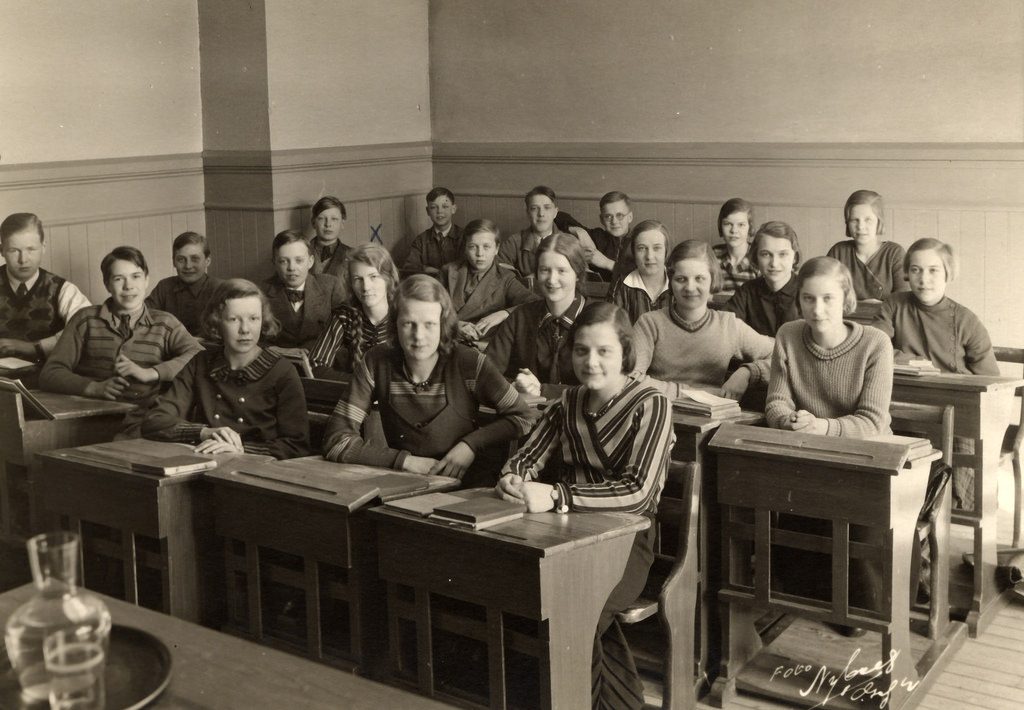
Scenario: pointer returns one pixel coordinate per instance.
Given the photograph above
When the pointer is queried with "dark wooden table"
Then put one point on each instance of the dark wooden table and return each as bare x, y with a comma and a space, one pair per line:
984, 409
545, 572
133, 525
214, 670
300, 557
24, 433
693, 433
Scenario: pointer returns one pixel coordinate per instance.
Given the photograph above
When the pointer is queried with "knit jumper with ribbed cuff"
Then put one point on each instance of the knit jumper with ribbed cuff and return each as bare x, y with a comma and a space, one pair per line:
850, 385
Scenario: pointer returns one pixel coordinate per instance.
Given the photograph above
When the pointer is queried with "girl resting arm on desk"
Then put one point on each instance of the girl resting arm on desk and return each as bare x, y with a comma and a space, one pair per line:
604, 447
429, 389
829, 375
238, 397
687, 344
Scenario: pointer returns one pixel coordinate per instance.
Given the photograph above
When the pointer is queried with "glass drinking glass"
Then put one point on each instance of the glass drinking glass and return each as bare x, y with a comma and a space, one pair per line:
75, 661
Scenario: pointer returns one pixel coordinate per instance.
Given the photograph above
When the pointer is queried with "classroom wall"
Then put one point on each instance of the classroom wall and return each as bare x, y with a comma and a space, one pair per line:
792, 105
346, 112
100, 127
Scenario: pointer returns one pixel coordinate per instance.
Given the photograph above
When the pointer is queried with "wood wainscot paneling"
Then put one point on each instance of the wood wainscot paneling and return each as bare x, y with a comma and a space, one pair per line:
89, 207
971, 196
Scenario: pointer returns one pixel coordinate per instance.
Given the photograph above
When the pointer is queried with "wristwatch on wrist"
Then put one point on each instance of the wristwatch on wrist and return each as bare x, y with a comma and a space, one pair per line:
555, 497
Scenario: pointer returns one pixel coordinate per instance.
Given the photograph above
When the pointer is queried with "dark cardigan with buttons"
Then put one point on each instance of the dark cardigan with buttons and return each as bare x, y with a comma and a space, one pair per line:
263, 402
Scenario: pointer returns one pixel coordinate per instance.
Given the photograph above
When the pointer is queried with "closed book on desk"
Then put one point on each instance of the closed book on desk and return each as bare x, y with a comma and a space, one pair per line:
423, 505
916, 368
703, 403
918, 447
480, 512
175, 465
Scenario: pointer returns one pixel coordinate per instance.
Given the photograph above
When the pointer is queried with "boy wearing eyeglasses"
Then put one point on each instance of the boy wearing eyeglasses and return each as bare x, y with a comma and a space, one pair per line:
604, 246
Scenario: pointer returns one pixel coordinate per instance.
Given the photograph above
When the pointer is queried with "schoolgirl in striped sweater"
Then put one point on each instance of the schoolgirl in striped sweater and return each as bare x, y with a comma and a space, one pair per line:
430, 390
603, 447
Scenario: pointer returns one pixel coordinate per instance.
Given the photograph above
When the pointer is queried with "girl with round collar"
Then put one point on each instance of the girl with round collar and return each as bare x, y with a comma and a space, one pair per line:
687, 344
239, 397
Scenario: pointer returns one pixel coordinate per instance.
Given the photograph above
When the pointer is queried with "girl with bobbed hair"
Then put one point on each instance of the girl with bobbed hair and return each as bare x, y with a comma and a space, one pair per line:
603, 447
429, 390
529, 347
238, 397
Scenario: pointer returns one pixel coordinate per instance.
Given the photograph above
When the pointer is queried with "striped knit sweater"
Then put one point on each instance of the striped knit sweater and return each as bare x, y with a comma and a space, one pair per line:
614, 460
420, 404
849, 385
349, 335
91, 343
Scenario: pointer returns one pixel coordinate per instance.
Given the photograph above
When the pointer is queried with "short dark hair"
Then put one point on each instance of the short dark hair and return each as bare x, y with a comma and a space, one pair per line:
865, 197
227, 291
696, 249
614, 196
290, 236
735, 204
19, 222
326, 203
185, 238
439, 192
541, 190
596, 312
778, 230
481, 225
420, 287
124, 253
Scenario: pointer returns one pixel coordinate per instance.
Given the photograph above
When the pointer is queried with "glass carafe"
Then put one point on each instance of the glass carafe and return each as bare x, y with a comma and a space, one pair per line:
58, 604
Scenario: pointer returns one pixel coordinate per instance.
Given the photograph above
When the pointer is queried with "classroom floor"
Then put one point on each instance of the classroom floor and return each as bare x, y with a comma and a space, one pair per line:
986, 673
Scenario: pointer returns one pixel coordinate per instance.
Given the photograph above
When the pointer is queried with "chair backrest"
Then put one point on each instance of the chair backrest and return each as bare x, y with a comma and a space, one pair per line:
677, 516
321, 398
928, 421
1016, 356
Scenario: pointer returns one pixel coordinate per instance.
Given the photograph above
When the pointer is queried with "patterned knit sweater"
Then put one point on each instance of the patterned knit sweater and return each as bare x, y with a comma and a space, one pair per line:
850, 385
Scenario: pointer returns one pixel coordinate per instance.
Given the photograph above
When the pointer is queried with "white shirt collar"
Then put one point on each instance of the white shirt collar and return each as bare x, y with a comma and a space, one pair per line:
634, 280
16, 282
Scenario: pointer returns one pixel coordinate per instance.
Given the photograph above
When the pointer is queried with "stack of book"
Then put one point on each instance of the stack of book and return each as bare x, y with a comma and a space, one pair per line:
175, 465
707, 405
478, 512
916, 368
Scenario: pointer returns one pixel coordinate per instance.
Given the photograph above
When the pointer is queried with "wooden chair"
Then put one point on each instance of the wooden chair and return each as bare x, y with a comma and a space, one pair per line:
671, 591
321, 398
1012, 442
934, 423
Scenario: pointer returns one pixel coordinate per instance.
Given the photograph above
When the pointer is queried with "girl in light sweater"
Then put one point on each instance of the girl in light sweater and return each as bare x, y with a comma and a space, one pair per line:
687, 344
829, 375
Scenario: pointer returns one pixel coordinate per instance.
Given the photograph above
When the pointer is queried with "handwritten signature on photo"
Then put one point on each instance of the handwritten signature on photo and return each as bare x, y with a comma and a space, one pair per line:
858, 684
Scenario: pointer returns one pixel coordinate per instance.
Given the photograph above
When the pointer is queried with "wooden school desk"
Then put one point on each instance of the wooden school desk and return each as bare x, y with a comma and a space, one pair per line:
534, 585
214, 670
693, 433
984, 409
26, 431
152, 527
866, 495
300, 556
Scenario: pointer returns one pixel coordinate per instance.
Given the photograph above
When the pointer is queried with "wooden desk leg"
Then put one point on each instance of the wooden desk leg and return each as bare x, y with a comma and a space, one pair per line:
131, 577
897, 658
572, 624
740, 643
424, 643
995, 415
252, 586
496, 657
314, 637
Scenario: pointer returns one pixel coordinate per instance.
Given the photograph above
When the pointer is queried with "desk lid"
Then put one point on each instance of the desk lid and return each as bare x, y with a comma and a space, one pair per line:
883, 456
957, 382
350, 486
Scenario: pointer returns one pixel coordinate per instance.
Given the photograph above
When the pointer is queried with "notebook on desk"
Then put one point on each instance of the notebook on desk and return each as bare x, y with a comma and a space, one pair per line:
175, 465
423, 505
480, 512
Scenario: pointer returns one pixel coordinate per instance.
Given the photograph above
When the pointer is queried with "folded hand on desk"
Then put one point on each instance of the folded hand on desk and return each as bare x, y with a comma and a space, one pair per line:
455, 462
537, 496
219, 440
111, 388
802, 420
418, 464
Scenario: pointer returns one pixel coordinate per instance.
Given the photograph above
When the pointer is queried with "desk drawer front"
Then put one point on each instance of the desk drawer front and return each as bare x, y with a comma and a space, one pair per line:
459, 568
290, 526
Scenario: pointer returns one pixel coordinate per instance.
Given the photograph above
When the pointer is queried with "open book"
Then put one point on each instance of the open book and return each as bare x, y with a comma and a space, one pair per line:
693, 401
916, 368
